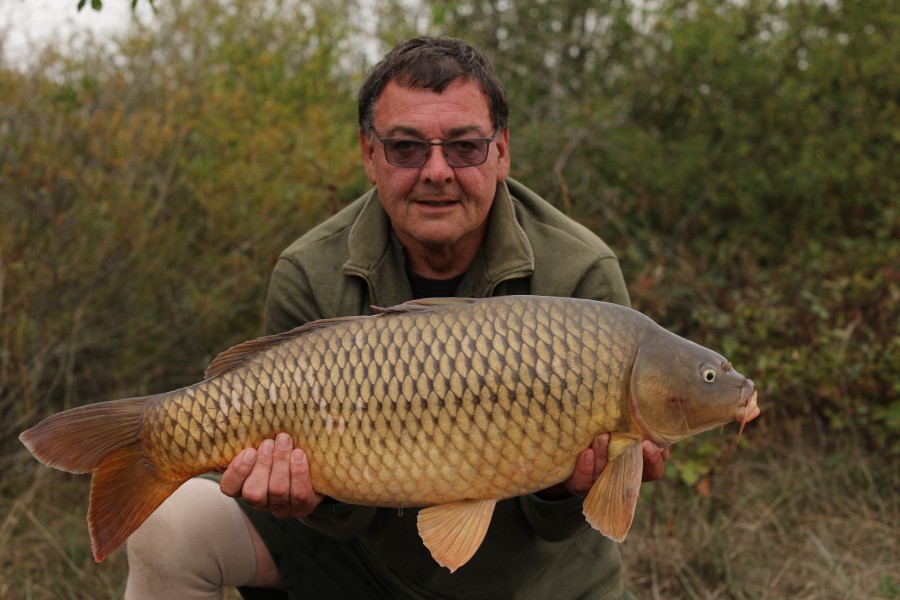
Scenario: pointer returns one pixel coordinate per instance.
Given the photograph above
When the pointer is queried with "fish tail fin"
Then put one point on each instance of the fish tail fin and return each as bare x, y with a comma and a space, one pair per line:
104, 438
78, 440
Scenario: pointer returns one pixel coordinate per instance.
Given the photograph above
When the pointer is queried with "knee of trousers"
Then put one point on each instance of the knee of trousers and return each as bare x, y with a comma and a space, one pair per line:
197, 534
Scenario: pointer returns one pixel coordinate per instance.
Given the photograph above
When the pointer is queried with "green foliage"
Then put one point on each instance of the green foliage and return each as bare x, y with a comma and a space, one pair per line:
148, 190
820, 334
774, 121
888, 587
740, 157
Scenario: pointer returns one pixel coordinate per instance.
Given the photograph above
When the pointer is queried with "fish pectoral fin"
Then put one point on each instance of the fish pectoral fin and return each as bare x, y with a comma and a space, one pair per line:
609, 506
453, 532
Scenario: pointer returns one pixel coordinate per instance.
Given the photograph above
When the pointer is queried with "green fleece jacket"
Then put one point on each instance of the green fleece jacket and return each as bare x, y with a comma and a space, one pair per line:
534, 548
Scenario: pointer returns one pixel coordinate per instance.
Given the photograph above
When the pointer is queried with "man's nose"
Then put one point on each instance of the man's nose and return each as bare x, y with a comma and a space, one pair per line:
436, 167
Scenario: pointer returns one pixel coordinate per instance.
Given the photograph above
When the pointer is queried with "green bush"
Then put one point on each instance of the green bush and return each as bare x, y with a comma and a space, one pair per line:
740, 158
147, 190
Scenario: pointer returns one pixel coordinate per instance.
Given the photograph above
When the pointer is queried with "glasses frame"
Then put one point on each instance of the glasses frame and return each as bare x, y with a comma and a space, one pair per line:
430, 145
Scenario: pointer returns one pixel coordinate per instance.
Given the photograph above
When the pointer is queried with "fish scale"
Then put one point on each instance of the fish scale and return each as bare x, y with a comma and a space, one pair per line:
329, 421
431, 362
451, 404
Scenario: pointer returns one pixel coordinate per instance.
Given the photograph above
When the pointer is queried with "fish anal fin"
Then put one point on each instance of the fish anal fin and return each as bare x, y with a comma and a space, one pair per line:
125, 490
609, 506
453, 532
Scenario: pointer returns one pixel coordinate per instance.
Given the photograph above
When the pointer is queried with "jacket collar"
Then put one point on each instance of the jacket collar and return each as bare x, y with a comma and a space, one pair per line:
377, 256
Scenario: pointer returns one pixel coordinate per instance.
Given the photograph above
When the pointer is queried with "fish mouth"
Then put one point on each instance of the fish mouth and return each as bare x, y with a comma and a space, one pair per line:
748, 410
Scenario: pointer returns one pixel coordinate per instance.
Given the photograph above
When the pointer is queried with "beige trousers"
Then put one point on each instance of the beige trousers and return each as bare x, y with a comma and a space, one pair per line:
193, 546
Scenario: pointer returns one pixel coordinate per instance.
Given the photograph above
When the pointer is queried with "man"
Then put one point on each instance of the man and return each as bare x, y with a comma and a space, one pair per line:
442, 219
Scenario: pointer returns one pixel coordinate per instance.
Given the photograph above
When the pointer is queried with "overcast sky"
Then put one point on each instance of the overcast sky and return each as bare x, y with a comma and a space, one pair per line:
26, 23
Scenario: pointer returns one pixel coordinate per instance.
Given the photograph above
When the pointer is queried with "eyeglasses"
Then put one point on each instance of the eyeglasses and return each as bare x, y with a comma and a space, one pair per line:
412, 154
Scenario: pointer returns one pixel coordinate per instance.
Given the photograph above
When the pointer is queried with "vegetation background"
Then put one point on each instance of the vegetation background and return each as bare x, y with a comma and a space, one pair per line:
741, 157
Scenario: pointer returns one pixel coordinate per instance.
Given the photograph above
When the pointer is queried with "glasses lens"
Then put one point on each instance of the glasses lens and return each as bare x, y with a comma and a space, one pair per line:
405, 153
414, 153
466, 153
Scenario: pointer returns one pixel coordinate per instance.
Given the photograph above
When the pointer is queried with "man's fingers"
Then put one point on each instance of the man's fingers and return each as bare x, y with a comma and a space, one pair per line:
600, 446
274, 478
236, 474
583, 477
279, 502
256, 488
304, 499
654, 461
301, 486
589, 465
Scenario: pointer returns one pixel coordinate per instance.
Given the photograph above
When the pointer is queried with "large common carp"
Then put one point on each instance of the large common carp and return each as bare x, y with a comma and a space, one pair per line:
417, 405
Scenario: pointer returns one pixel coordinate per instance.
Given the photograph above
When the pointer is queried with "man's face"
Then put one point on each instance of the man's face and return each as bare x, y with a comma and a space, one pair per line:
435, 205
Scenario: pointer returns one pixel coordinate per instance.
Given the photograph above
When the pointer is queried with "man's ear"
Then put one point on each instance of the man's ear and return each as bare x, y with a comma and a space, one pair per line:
502, 143
367, 146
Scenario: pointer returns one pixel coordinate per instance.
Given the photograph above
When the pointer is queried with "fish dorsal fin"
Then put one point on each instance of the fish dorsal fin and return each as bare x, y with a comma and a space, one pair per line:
424, 304
236, 355
453, 532
609, 506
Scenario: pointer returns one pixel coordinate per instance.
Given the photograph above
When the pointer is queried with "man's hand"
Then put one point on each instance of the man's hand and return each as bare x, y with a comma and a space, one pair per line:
654, 461
275, 479
592, 461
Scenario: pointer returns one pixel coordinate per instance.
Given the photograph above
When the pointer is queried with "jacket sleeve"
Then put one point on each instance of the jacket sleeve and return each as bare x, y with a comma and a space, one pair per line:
289, 301
603, 281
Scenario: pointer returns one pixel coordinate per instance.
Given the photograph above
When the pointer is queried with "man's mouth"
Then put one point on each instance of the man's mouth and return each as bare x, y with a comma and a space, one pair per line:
436, 203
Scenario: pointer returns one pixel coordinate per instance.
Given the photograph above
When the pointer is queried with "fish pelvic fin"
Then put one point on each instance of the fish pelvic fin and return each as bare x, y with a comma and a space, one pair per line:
609, 506
453, 532
104, 438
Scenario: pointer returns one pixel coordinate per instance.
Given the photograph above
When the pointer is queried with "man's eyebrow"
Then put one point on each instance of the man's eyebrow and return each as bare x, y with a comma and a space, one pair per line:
403, 131
467, 131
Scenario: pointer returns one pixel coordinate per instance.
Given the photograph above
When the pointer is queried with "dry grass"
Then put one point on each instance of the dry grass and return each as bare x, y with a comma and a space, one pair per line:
792, 517
44, 549
804, 518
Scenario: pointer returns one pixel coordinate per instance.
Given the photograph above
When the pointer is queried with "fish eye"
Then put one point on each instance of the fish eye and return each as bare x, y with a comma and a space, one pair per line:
709, 374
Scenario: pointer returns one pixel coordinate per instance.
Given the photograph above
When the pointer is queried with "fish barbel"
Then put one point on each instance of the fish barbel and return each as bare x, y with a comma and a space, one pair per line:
415, 406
